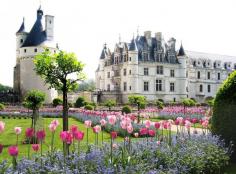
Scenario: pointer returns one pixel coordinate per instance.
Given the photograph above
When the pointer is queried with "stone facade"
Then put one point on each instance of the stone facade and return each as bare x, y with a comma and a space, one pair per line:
29, 44
151, 67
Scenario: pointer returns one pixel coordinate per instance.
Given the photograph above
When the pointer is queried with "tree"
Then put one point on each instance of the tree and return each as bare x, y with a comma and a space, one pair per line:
88, 85
159, 104
110, 103
138, 100
4, 88
57, 70
224, 109
34, 100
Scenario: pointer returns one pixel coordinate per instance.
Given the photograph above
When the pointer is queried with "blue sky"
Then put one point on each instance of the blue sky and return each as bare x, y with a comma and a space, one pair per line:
84, 26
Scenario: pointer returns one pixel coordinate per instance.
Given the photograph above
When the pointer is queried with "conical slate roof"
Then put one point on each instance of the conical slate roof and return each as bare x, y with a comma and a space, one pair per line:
36, 35
181, 51
133, 46
104, 52
22, 27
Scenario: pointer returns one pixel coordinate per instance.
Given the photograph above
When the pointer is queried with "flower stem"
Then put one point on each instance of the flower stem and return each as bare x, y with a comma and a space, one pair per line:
111, 149
29, 149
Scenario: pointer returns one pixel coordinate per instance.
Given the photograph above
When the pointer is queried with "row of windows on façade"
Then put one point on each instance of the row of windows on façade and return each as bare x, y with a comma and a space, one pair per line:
160, 71
159, 86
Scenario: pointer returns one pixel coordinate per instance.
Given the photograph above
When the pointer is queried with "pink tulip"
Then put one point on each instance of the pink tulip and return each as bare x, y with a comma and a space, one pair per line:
114, 146
136, 134
55, 122
17, 130
205, 123
2, 126
151, 133
157, 125
148, 123
1, 148
88, 123
29, 133
66, 137
111, 119
41, 135
96, 129
143, 131
13, 150
74, 130
52, 127
103, 122
158, 142
130, 129
113, 135
35, 147
79, 135
188, 124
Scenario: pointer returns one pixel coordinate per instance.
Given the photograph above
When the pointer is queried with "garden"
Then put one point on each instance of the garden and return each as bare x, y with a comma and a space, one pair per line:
160, 139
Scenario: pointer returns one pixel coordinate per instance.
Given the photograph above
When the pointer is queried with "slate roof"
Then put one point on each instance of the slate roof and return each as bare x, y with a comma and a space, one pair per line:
22, 27
36, 36
213, 57
181, 51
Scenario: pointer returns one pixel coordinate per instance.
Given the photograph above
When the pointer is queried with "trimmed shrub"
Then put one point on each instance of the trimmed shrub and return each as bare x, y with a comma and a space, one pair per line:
70, 105
88, 107
110, 104
126, 109
56, 102
224, 109
2, 107
159, 104
80, 102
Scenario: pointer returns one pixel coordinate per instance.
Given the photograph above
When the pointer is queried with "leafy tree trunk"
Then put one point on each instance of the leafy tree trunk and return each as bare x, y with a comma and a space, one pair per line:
138, 113
34, 123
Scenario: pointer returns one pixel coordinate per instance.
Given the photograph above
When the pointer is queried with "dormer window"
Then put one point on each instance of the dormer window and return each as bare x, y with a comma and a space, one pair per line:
21, 41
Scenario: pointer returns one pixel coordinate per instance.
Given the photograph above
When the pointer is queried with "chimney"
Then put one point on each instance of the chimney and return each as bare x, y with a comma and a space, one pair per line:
158, 36
49, 27
147, 34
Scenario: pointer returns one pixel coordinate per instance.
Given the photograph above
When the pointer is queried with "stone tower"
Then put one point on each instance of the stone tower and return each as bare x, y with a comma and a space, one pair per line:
29, 44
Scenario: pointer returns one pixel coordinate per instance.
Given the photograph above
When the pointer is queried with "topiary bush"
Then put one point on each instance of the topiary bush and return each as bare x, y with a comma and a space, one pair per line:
56, 102
159, 104
2, 107
88, 107
224, 109
126, 109
80, 102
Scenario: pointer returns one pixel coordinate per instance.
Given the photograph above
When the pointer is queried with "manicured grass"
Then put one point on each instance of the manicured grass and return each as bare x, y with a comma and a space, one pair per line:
8, 137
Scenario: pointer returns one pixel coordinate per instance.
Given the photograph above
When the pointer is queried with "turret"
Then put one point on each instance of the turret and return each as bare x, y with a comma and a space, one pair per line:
21, 36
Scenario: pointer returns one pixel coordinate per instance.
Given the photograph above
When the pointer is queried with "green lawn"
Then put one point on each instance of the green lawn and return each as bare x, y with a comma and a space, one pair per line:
8, 137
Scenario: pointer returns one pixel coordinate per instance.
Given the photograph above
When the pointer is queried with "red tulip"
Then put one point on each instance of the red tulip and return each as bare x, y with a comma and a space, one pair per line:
66, 137
13, 150
113, 135
79, 135
143, 131
35, 147
151, 133
29, 133
157, 125
40, 135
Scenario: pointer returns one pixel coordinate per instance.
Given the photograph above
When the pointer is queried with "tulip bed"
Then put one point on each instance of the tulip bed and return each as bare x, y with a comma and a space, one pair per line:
146, 147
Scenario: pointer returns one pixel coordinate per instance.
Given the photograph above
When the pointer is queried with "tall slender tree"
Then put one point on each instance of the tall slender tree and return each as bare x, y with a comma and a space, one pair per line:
58, 71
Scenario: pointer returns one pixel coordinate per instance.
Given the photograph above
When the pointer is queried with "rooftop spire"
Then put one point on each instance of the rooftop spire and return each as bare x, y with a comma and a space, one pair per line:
22, 27
181, 50
119, 38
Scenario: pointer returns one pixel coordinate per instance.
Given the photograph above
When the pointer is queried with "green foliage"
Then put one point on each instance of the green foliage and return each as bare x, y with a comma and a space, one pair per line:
2, 107
188, 102
34, 99
210, 101
110, 103
159, 104
224, 109
56, 102
4, 88
138, 100
88, 85
56, 68
126, 109
88, 107
80, 102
